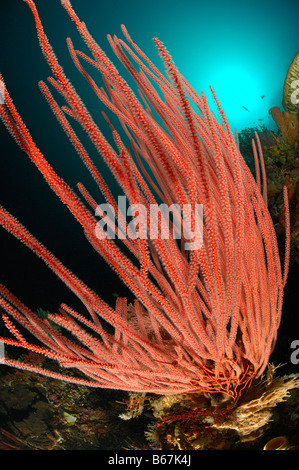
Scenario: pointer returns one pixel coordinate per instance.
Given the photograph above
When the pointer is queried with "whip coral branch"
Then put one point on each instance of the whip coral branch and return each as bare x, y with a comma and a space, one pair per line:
204, 319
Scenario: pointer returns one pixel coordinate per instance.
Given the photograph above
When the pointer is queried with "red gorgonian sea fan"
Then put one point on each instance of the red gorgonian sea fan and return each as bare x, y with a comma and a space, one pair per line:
204, 319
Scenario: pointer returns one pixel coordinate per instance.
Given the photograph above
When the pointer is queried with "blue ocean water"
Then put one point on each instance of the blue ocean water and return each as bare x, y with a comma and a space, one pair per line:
241, 48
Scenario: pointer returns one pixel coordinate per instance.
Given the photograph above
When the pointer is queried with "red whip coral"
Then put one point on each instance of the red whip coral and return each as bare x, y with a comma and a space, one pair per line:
204, 319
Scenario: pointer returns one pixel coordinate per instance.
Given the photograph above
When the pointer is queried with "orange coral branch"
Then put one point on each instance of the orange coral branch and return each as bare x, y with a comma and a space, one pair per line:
203, 320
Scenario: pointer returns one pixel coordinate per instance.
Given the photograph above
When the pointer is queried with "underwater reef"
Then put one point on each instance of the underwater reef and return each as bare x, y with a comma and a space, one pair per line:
193, 348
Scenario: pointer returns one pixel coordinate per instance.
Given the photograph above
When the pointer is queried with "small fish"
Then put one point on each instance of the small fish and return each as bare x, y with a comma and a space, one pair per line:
260, 119
263, 96
245, 108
